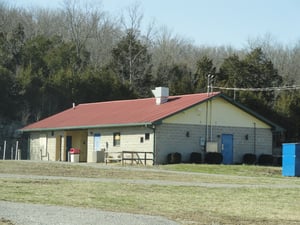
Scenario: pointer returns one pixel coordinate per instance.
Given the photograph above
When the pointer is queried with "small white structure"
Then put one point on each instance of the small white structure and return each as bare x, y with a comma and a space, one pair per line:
161, 95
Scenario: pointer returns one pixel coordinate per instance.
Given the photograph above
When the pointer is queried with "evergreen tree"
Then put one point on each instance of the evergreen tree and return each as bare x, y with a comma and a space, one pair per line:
132, 63
254, 71
205, 68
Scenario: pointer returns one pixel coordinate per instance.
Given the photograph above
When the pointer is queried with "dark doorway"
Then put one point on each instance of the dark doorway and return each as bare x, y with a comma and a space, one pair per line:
68, 146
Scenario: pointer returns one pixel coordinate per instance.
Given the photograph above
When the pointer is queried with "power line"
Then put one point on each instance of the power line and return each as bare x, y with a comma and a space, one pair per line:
283, 88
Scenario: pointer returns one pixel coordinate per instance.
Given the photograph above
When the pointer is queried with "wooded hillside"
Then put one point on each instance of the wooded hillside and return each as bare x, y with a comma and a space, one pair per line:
50, 59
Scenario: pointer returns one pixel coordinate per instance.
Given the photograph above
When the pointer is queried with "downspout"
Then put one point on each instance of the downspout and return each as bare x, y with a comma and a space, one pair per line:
47, 147
28, 148
211, 127
154, 145
60, 146
153, 128
206, 130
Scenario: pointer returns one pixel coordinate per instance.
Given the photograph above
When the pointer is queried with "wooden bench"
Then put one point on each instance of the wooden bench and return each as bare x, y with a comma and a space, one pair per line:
113, 157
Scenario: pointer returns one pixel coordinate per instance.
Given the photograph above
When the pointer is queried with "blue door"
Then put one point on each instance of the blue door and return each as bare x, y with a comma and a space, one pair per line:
227, 148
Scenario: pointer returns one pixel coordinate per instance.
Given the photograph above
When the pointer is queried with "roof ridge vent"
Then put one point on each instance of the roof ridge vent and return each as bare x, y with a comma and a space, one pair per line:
161, 95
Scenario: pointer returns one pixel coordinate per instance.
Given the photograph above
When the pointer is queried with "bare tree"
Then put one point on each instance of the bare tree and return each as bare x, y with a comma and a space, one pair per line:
81, 21
132, 18
106, 36
11, 17
3, 15
170, 49
49, 22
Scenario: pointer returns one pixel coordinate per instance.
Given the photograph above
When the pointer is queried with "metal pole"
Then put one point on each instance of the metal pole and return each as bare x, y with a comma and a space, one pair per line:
155, 153
11, 153
211, 127
4, 150
206, 130
210, 79
19, 154
208, 83
16, 156
254, 132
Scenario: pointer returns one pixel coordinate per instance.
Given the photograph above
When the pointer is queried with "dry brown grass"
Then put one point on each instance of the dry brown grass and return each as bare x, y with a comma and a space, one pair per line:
185, 204
5, 222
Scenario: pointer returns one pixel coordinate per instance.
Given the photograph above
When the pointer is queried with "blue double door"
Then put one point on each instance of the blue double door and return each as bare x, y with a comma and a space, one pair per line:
227, 148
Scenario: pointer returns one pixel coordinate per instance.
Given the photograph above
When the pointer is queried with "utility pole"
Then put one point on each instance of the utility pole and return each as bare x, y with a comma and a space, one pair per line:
210, 79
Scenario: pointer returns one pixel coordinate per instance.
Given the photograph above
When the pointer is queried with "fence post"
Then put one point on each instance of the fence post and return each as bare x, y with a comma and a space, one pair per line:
19, 154
11, 153
16, 156
4, 150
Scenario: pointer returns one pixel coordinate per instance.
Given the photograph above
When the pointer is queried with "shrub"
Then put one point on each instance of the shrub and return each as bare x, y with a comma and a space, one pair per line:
278, 161
196, 157
213, 158
265, 160
249, 159
173, 158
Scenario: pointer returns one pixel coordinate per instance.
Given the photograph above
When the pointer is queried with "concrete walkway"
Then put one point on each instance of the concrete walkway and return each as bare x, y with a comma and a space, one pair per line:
36, 214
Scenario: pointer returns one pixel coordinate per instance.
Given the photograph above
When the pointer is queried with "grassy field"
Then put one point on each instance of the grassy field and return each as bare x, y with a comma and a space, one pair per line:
230, 195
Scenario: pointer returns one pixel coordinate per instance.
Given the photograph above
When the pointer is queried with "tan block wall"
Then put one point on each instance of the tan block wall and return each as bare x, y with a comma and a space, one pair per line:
34, 142
130, 140
43, 145
51, 147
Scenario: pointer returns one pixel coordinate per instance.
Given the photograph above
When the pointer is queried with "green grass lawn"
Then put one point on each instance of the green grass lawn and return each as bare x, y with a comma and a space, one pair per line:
258, 197
240, 170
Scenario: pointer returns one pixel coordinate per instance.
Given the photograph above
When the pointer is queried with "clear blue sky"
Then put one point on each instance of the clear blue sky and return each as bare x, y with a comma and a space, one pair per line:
210, 22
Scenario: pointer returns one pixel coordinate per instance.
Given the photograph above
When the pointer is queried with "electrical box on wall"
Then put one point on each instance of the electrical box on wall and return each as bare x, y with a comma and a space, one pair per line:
212, 147
202, 141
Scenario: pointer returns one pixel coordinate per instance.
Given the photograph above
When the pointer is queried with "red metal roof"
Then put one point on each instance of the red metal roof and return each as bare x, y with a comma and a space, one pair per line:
118, 113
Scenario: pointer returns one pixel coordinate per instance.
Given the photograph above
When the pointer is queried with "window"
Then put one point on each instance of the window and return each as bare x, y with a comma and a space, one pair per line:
147, 136
117, 139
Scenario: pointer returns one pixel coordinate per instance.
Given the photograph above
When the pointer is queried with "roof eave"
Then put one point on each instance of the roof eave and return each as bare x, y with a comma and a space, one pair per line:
85, 127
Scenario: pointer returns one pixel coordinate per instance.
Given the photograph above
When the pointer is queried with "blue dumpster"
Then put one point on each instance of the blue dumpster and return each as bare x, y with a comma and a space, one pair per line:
291, 159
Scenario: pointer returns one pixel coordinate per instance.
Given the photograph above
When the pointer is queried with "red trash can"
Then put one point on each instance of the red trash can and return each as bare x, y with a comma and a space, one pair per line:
74, 154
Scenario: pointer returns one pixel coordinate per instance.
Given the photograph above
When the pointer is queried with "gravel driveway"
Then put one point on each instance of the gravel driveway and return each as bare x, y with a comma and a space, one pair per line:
36, 214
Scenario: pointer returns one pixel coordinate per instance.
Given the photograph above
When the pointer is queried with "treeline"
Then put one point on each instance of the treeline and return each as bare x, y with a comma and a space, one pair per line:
50, 59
